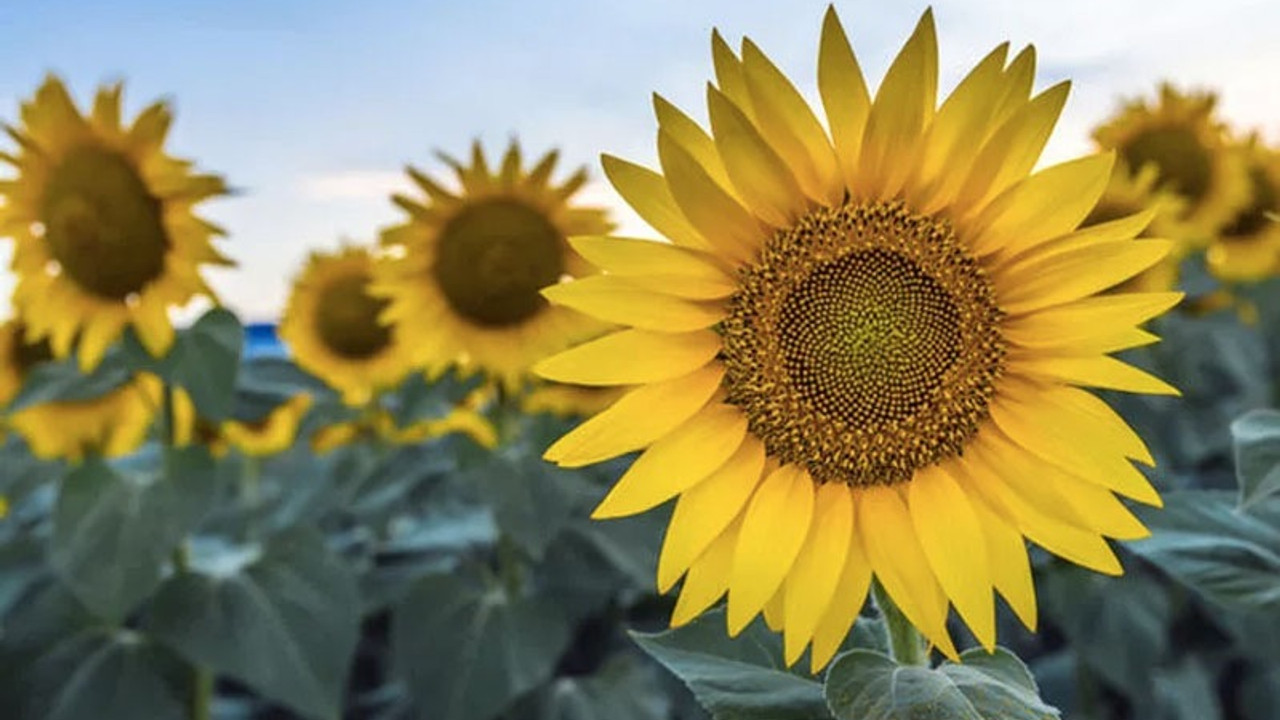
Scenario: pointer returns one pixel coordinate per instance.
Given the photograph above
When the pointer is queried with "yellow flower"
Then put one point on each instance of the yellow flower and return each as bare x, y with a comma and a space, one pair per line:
113, 424
378, 424
271, 434
331, 324
1247, 248
1129, 193
103, 225
1189, 147
569, 401
469, 264
866, 355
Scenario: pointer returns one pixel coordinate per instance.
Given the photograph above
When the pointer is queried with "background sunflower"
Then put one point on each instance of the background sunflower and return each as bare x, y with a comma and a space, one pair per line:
337, 330
467, 265
103, 223
1247, 248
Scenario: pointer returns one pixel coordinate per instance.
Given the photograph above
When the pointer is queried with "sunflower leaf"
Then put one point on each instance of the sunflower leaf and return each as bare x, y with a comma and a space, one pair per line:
624, 688
97, 675
285, 624
113, 532
1203, 540
469, 649
1257, 451
204, 361
743, 678
62, 381
865, 685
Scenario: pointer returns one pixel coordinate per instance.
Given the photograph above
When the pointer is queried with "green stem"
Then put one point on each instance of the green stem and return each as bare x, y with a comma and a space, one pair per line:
906, 644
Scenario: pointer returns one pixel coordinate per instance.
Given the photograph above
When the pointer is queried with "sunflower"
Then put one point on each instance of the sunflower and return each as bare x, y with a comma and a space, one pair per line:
380, 426
331, 324
568, 401
866, 356
1129, 193
103, 225
1181, 136
113, 424
1247, 248
468, 266
270, 434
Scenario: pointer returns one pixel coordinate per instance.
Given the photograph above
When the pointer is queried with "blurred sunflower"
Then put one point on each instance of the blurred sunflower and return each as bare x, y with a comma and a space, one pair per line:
568, 401
113, 424
1129, 193
866, 355
103, 224
1247, 249
331, 324
269, 434
464, 285
1188, 145
380, 426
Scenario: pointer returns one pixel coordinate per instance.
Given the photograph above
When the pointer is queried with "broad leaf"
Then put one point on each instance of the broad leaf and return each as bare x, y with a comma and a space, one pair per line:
204, 361
468, 649
1257, 451
113, 532
864, 685
1231, 557
742, 678
624, 688
285, 625
62, 381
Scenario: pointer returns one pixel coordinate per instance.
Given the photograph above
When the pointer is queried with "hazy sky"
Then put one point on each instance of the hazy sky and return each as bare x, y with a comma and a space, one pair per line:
312, 107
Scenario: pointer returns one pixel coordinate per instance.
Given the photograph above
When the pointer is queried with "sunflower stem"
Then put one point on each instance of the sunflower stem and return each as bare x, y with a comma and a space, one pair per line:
906, 644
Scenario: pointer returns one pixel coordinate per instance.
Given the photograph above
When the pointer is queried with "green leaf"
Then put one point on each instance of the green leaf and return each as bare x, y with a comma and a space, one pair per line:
204, 360
623, 688
103, 676
1257, 452
1187, 692
742, 678
286, 625
62, 381
469, 649
113, 532
1203, 540
417, 399
532, 501
865, 685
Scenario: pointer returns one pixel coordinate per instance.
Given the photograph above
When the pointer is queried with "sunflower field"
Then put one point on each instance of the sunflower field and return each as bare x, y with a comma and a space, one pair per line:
884, 417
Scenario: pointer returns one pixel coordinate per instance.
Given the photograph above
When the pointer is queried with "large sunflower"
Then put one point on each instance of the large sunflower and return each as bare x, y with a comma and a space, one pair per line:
331, 324
866, 355
1182, 137
103, 224
469, 264
1247, 249
114, 424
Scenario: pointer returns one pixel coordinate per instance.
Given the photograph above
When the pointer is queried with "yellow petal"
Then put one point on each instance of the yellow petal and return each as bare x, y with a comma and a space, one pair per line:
1010, 154
97, 337
951, 536
615, 300
844, 94
1063, 326
903, 106
1034, 427
693, 139
106, 107
1048, 204
849, 597
900, 563
1019, 77
773, 529
637, 419
786, 121
647, 193
1082, 401
725, 224
677, 462
761, 177
774, 609
706, 509
1007, 558
811, 584
151, 321
708, 578
729, 75
630, 357
1100, 372
1071, 274
658, 266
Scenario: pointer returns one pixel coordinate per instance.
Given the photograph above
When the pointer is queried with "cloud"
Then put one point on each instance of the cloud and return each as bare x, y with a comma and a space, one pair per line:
353, 185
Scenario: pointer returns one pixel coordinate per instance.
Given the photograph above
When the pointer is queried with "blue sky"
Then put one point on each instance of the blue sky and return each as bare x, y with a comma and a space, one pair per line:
312, 107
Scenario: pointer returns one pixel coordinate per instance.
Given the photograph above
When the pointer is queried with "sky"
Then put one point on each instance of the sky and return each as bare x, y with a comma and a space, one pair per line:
312, 108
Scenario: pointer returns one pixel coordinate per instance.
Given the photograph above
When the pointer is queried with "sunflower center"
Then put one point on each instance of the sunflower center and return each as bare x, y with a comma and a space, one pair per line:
1254, 217
1182, 159
347, 318
103, 227
492, 259
864, 344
